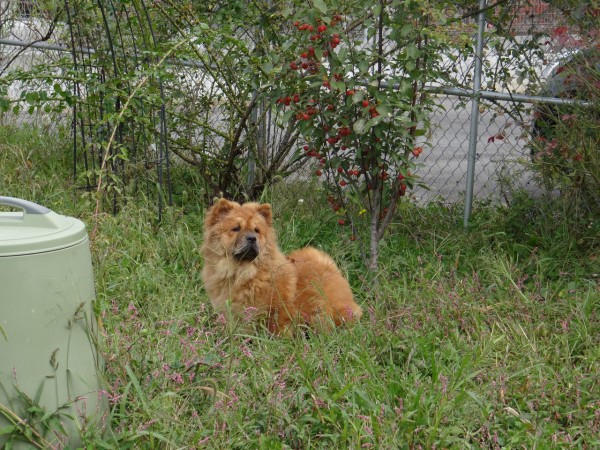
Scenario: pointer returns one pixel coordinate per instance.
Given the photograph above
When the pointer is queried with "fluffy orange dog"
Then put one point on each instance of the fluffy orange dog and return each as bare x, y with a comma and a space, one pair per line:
245, 270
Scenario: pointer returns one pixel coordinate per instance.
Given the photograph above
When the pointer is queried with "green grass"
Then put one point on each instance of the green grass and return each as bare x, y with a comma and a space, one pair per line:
486, 338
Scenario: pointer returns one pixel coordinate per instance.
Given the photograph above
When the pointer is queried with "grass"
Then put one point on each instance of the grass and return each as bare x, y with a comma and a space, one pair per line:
485, 338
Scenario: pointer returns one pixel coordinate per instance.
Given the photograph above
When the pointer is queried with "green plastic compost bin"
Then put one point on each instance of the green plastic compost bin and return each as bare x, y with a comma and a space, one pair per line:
49, 366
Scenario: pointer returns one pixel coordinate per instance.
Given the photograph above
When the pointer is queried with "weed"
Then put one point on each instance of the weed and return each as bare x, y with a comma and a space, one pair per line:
486, 338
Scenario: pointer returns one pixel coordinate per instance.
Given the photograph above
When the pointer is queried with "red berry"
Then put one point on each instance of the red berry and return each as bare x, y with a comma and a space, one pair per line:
342, 183
350, 92
293, 65
321, 28
340, 169
365, 103
318, 173
342, 222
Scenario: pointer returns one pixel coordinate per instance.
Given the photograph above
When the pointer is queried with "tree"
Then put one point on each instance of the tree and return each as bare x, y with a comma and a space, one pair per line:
354, 85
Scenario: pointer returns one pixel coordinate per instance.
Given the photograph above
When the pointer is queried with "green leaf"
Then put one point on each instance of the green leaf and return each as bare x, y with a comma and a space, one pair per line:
406, 88
320, 5
38, 394
8, 430
267, 67
358, 96
359, 126
377, 10
287, 116
31, 97
373, 122
4, 105
406, 29
383, 109
363, 66
338, 85
413, 51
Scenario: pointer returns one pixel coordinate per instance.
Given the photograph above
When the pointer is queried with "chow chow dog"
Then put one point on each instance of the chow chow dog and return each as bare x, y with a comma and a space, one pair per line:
244, 270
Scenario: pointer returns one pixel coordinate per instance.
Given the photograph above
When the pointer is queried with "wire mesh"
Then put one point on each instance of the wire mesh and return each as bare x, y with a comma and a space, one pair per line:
102, 56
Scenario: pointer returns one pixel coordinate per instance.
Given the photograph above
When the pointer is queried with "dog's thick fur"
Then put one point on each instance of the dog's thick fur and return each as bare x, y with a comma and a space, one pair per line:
244, 270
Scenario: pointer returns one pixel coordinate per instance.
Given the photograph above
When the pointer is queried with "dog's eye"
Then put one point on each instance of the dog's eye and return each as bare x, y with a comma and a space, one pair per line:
236, 229
257, 231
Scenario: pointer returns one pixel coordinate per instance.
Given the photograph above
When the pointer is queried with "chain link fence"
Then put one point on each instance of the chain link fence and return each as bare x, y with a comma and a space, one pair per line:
478, 145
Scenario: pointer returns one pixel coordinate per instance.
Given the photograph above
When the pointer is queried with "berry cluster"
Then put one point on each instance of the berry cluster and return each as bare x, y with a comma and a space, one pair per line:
338, 116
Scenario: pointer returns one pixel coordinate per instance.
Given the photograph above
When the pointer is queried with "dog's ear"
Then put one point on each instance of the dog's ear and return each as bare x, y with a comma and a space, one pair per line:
266, 211
218, 210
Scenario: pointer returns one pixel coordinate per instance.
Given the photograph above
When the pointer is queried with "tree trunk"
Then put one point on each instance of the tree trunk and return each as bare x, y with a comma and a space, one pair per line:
374, 230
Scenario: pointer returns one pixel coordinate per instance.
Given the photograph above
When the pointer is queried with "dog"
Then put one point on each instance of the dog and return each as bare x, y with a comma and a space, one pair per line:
244, 270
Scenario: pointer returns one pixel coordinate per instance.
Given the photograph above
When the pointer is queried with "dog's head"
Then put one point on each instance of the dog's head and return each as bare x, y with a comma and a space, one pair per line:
241, 232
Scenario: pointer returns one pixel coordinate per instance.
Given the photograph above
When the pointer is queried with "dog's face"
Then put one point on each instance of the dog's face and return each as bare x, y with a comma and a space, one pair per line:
240, 232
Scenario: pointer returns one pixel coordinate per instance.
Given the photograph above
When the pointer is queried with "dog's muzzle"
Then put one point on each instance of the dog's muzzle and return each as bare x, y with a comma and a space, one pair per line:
248, 249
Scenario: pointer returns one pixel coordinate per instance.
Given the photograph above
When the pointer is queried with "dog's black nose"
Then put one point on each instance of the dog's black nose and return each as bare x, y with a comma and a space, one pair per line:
251, 239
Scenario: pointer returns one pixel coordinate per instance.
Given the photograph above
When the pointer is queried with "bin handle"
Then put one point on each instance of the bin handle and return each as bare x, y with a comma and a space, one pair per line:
27, 206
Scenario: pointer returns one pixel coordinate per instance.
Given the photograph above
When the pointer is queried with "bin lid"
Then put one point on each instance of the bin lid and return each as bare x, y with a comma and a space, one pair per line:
36, 229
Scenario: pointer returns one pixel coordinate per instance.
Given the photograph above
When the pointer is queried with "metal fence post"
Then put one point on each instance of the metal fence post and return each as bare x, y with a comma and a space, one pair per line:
473, 134
254, 117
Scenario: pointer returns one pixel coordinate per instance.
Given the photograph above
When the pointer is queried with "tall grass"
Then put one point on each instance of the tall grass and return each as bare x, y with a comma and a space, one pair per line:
479, 338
